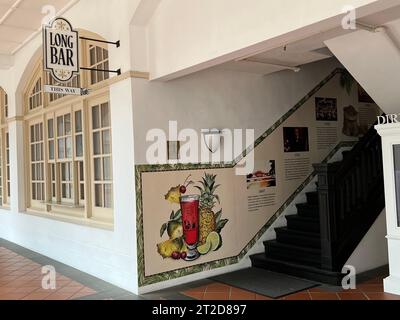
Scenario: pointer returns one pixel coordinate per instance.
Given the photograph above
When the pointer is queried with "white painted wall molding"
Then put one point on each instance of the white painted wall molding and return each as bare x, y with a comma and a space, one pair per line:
390, 137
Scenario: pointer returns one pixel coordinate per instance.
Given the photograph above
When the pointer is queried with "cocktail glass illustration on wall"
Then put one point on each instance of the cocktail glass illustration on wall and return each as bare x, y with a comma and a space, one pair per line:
190, 221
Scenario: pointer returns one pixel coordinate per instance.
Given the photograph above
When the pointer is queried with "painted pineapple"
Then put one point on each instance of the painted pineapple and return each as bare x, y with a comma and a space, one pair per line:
208, 200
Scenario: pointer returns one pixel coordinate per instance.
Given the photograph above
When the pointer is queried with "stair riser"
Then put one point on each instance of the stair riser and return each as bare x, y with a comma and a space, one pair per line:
306, 226
312, 198
289, 255
308, 212
298, 240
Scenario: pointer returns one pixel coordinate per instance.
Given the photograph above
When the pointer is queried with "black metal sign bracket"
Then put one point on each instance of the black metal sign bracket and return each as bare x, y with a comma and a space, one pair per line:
117, 43
118, 72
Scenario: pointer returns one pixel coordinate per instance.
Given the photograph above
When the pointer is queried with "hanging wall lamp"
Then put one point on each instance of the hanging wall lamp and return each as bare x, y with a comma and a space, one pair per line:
212, 139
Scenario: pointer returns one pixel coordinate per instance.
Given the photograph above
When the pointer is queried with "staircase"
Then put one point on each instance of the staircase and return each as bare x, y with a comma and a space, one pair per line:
326, 230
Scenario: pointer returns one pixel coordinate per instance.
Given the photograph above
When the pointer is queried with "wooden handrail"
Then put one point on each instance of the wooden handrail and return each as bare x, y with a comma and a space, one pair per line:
351, 197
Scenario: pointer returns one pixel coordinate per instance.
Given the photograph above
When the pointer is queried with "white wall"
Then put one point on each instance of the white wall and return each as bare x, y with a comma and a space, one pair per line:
372, 252
219, 98
109, 255
187, 36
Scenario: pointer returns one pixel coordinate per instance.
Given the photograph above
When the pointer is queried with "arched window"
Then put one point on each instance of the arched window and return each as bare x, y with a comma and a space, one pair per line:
5, 193
70, 151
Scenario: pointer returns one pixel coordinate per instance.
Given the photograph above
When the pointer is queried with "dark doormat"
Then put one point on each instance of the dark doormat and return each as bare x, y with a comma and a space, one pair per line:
265, 283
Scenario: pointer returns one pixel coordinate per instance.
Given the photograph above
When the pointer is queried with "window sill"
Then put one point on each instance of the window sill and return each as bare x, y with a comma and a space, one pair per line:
92, 223
64, 205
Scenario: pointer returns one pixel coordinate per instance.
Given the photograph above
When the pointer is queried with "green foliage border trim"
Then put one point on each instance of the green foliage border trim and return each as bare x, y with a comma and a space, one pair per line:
140, 169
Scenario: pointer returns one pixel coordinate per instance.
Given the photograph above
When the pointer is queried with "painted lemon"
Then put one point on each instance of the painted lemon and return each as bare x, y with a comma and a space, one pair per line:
205, 248
214, 238
173, 195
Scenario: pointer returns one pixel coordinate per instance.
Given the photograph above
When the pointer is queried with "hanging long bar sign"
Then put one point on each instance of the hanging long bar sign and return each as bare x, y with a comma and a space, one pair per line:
61, 50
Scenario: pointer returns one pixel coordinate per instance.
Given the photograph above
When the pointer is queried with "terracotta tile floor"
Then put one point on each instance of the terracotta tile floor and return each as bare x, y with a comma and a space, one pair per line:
21, 279
369, 290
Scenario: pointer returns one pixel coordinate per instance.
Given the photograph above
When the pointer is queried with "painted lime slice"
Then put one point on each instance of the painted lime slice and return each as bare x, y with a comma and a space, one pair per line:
205, 248
215, 239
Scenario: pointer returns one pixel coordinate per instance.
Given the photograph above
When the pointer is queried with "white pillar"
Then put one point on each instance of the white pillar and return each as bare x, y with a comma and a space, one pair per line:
390, 134
121, 101
17, 159
17, 166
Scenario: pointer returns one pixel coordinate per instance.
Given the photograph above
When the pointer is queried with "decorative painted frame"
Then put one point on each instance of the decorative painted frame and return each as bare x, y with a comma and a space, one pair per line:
140, 169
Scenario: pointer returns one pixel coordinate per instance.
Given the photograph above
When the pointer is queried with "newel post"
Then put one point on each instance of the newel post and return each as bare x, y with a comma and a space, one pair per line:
327, 212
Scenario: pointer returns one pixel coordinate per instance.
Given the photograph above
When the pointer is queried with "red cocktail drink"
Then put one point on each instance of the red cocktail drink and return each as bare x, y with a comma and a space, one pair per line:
190, 222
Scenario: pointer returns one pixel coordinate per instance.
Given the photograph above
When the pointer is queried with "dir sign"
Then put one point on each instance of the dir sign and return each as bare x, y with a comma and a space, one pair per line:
61, 50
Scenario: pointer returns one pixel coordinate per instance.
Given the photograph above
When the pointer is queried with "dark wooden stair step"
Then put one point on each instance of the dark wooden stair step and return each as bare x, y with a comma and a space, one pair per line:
295, 253
305, 224
308, 210
295, 237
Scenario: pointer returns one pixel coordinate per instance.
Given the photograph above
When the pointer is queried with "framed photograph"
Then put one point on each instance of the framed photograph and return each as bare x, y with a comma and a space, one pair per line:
296, 139
263, 178
173, 150
326, 109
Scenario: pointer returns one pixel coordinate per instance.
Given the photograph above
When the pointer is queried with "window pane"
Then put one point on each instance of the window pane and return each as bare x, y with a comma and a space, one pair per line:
78, 121
92, 56
81, 172
33, 153
67, 124
64, 191
93, 76
37, 152
96, 117
106, 142
105, 115
97, 169
61, 148
96, 143
32, 133
99, 54
98, 195
51, 128
34, 172
107, 169
108, 196
105, 54
34, 191
37, 133
69, 147
79, 146
51, 150
82, 192
60, 126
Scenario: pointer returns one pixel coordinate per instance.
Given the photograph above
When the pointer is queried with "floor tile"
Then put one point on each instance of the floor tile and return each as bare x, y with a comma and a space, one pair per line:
324, 296
382, 296
352, 296
195, 295
298, 296
218, 288
220, 296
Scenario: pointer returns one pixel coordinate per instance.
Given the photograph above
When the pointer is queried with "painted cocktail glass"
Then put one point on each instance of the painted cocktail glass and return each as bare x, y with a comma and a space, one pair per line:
190, 222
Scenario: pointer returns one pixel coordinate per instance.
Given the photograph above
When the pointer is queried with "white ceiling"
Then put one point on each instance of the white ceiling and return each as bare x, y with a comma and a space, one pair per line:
304, 51
21, 19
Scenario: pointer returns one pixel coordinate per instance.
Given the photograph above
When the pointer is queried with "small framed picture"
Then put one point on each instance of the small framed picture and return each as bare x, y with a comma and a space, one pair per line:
173, 148
326, 109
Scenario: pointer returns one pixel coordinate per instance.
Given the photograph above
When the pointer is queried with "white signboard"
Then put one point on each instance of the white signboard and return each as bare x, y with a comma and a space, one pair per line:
63, 90
61, 50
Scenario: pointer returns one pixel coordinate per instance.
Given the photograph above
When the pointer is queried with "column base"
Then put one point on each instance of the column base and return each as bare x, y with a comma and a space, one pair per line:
392, 285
